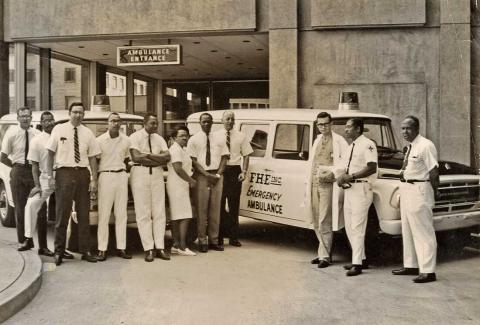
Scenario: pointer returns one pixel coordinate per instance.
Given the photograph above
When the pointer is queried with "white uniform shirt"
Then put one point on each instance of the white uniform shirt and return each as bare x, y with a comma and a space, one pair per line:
197, 148
114, 151
139, 141
421, 160
239, 145
38, 151
62, 143
364, 151
179, 154
13, 144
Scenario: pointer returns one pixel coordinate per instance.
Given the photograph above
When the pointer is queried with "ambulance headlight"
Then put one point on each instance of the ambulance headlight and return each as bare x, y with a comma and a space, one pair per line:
395, 199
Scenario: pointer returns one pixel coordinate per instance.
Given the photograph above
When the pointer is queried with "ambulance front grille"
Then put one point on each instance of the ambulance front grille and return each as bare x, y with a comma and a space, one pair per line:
457, 196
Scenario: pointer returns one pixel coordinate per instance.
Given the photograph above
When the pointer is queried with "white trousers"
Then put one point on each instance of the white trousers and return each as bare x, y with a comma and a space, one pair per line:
112, 192
149, 196
357, 201
34, 204
418, 233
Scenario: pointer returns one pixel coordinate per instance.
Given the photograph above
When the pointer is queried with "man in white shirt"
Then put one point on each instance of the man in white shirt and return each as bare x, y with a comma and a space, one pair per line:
360, 173
38, 155
209, 155
73, 147
15, 147
233, 176
113, 186
149, 153
419, 183
329, 150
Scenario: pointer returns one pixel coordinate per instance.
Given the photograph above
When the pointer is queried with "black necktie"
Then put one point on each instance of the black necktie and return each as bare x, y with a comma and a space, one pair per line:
76, 146
228, 140
350, 159
208, 157
150, 147
27, 145
405, 160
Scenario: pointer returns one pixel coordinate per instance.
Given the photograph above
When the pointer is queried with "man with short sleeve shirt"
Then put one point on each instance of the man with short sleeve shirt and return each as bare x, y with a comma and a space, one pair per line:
15, 147
419, 183
74, 148
113, 186
209, 154
233, 176
149, 153
360, 173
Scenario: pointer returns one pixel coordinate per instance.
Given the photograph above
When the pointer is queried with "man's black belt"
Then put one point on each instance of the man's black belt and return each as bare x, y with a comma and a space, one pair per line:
112, 171
359, 181
411, 181
72, 168
136, 164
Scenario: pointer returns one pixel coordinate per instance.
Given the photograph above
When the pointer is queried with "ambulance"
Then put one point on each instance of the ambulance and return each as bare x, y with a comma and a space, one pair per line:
278, 183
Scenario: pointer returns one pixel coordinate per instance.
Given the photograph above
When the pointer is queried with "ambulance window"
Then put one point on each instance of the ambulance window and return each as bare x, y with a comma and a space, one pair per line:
292, 142
258, 135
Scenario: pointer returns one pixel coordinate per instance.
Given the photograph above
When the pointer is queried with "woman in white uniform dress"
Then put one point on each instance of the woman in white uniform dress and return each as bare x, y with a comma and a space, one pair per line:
179, 182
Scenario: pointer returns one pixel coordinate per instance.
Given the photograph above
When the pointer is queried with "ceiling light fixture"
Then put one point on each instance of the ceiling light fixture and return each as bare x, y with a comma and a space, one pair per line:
105, 54
228, 57
246, 41
81, 47
259, 49
213, 51
196, 42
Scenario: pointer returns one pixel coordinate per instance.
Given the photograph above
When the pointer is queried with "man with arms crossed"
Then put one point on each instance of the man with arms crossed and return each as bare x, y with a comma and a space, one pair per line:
419, 181
360, 173
149, 153
73, 147
329, 149
113, 186
15, 147
233, 176
209, 155
38, 155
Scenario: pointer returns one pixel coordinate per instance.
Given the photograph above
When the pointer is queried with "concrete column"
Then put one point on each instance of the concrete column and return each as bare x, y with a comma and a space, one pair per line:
130, 91
159, 104
20, 66
454, 76
283, 54
45, 92
4, 79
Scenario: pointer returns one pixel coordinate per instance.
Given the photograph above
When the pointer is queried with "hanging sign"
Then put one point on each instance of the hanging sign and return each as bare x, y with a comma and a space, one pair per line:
148, 55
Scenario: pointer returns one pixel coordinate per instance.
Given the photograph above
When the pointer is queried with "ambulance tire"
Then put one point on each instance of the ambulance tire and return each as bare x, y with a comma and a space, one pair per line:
373, 238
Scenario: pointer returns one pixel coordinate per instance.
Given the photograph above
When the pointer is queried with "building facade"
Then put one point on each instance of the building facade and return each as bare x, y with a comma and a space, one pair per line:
402, 57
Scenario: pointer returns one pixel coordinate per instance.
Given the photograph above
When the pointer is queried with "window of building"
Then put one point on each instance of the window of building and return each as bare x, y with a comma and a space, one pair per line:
32, 87
141, 90
258, 135
107, 81
122, 84
115, 90
135, 89
30, 75
11, 75
70, 75
30, 102
114, 82
292, 141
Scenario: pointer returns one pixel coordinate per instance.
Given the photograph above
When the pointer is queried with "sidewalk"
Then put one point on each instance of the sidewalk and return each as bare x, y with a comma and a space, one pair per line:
20, 280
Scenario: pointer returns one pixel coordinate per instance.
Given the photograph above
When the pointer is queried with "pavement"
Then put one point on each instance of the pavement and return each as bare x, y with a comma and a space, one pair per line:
20, 280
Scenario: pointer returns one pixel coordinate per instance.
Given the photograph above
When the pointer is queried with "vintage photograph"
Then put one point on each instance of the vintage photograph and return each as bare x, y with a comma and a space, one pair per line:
239, 162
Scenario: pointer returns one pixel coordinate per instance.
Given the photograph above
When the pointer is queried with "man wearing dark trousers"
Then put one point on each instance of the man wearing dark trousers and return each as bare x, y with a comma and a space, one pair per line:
233, 176
15, 146
74, 148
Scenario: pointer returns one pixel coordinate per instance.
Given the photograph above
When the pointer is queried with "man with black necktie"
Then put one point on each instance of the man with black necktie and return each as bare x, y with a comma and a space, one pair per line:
209, 155
14, 154
360, 173
72, 149
149, 153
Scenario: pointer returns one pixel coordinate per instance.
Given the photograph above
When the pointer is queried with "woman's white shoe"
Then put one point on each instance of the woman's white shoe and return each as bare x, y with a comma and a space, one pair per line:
186, 252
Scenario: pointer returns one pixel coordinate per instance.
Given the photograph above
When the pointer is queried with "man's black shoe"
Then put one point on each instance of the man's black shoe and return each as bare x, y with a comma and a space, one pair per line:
58, 259
45, 252
323, 264
89, 257
216, 247
67, 255
316, 260
163, 255
202, 248
406, 271
425, 277
26, 245
123, 254
102, 256
235, 242
149, 256
355, 270
364, 266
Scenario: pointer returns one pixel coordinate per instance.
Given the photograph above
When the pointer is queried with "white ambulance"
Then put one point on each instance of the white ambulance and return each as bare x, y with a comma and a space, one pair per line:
278, 184
95, 121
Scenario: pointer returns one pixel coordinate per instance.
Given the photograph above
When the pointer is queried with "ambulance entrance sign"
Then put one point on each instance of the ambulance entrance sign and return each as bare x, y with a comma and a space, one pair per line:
148, 55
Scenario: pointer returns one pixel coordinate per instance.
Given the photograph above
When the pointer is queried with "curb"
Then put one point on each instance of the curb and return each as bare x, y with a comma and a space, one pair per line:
24, 288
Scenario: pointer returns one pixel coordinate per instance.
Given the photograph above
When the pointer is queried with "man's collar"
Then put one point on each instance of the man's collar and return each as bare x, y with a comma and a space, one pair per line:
417, 138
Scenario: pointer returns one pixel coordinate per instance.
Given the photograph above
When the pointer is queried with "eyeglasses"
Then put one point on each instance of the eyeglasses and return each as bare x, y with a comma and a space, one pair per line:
323, 124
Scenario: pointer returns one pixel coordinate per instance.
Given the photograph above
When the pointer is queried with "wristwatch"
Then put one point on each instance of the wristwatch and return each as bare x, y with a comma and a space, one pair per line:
218, 175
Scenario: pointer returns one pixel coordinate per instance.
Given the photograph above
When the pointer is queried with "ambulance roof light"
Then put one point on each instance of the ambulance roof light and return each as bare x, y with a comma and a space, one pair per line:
100, 103
348, 101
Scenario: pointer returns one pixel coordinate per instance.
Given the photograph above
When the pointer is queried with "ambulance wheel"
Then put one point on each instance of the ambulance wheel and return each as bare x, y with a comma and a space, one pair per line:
7, 212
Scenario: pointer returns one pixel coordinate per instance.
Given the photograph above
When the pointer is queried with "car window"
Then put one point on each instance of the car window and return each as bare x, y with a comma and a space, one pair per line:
99, 127
258, 136
292, 142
